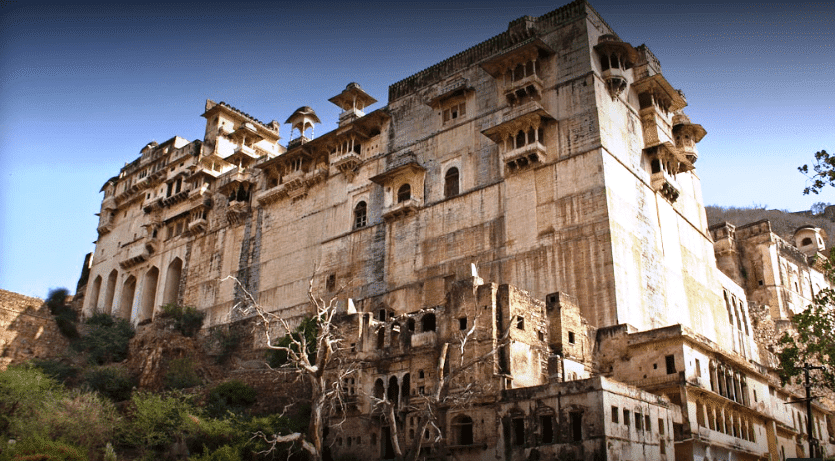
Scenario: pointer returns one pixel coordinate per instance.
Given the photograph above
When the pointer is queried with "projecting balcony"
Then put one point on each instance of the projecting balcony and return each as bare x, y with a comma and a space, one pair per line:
656, 126
105, 226
152, 204
527, 87
136, 253
401, 209
197, 225
152, 245
665, 184
346, 162
108, 203
174, 199
295, 184
271, 195
245, 151
523, 157
615, 80
427, 338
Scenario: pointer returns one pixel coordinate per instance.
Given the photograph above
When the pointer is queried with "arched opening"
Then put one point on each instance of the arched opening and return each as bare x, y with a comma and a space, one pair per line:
109, 292
451, 182
172, 281
149, 292
379, 389
406, 386
427, 322
360, 215
404, 193
95, 289
806, 241
462, 430
381, 338
126, 302
393, 392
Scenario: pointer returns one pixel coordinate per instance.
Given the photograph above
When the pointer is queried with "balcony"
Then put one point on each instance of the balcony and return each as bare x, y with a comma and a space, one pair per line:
135, 254
427, 338
316, 176
523, 157
615, 81
245, 151
399, 210
152, 205
665, 184
236, 210
197, 225
347, 163
295, 184
105, 224
271, 195
175, 198
524, 88
152, 245
109, 203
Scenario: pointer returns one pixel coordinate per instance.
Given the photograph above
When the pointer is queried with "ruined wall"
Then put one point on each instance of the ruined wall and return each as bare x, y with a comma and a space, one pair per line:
27, 330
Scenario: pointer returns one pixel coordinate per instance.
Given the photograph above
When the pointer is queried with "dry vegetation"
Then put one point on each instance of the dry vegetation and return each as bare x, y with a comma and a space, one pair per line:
783, 222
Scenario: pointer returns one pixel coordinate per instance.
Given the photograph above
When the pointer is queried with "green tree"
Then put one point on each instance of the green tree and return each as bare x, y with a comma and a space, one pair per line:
823, 174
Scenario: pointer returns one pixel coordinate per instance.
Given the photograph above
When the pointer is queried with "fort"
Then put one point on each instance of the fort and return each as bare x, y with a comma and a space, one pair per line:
535, 196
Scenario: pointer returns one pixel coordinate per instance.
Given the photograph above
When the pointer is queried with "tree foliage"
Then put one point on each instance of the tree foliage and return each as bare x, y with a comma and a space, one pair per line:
823, 172
65, 316
106, 340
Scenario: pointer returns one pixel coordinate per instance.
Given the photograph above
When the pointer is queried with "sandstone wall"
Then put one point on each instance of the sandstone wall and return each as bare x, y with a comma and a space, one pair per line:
27, 330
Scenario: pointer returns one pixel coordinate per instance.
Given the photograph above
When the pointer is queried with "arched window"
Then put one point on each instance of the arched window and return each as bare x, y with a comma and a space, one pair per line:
360, 215
462, 430
172, 282
404, 193
109, 292
806, 241
379, 392
149, 292
95, 289
126, 302
451, 182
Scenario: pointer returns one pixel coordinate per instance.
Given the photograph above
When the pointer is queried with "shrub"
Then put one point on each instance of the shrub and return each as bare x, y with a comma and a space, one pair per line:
113, 382
187, 320
224, 453
107, 340
155, 420
57, 370
232, 396
38, 448
207, 434
33, 405
181, 374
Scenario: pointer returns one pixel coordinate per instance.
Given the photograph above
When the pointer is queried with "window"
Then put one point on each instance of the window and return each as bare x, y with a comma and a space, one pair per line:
615, 414
455, 111
638, 425
462, 429
576, 426
404, 193
546, 427
518, 426
626, 416
571, 337
330, 285
462, 323
671, 364
698, 368
360, 215
660, 426
427, 323
451, 182
647, 423
806, 241
520, 322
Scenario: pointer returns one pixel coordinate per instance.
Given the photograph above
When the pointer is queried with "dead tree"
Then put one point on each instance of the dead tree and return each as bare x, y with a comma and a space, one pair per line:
323, 370
431, 408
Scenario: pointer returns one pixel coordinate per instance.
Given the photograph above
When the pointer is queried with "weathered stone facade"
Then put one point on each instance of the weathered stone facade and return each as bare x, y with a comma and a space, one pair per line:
552, 161
27, 330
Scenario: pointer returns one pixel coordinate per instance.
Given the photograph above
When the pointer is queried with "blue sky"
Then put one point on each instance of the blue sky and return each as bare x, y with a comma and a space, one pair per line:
84, 86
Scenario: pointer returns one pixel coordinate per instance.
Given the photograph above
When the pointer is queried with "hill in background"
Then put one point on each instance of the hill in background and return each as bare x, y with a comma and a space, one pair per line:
783, 222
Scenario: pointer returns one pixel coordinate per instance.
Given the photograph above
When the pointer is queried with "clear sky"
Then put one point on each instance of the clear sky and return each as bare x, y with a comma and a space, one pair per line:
84, 86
